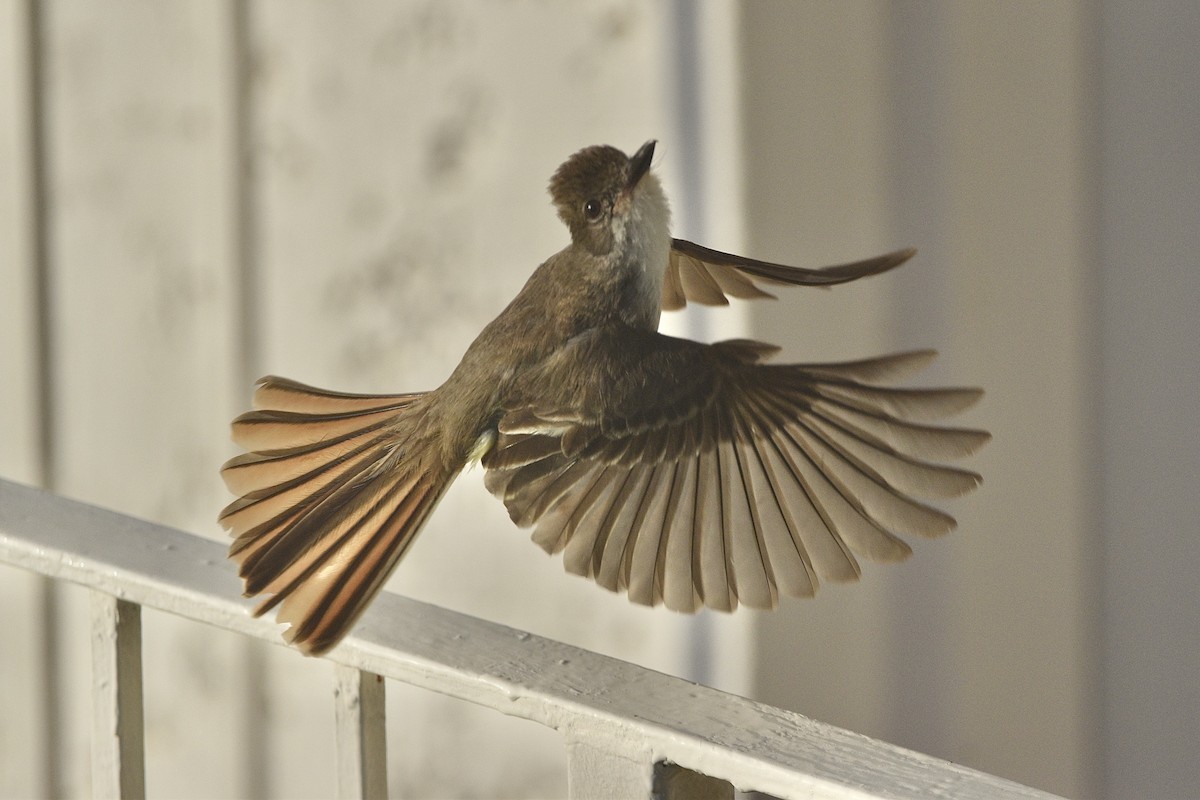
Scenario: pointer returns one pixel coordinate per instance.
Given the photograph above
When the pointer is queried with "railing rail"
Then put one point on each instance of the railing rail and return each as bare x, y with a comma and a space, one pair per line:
630, 731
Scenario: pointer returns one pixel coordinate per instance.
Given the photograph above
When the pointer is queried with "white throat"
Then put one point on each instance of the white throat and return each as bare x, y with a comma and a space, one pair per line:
648, 234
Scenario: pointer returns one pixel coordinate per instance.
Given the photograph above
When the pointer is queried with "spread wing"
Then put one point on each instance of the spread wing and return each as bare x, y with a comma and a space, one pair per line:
692, 474
701, 275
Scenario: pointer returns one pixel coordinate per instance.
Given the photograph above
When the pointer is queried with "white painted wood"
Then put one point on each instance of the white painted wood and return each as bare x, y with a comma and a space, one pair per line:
360, 721
600, 771
563, 687
118, 743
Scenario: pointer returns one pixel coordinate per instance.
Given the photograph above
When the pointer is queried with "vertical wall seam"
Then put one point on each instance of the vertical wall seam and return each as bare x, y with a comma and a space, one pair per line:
255, 730
690, 210
920, 706
244, 218
36, 88
53, 727
1093, 558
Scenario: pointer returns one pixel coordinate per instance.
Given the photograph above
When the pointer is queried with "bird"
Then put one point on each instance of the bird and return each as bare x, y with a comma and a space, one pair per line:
684, 474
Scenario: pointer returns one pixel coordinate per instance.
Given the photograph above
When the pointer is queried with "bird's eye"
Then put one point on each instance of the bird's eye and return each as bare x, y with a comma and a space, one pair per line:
592, 209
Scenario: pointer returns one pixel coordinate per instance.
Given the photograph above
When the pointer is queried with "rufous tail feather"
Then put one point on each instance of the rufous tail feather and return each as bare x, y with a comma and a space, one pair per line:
329, 502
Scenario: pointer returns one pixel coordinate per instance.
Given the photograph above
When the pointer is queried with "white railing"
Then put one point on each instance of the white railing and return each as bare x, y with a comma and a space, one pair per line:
630, 732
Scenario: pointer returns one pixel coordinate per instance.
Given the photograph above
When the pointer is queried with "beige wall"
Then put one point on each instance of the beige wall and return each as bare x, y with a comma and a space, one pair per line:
345, 194
1149, 183
1044, 158
960, 129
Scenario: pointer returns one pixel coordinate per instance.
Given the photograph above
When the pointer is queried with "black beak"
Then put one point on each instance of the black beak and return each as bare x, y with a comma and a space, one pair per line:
639, 165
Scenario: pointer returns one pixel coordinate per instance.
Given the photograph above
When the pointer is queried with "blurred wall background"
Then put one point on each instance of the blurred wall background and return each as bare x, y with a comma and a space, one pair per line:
196, 193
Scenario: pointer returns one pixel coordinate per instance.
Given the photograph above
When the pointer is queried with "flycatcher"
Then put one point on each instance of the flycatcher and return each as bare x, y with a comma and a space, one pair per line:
682, 473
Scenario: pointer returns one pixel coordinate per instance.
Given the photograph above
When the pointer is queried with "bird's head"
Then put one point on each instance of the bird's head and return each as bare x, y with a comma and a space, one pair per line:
599, 191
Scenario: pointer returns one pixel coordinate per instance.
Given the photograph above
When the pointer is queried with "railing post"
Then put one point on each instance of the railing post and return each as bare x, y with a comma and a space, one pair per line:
596, 772
361, 719
118, 750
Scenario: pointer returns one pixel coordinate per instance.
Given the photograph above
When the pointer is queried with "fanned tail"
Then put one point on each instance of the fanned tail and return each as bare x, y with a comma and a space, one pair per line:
332, 493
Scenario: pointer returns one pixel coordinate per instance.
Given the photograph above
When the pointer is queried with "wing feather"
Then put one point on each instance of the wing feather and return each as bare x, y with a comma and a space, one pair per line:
586, 522
643, 545
626, 527
702, 275
680, 588
713, 574
710, 479
754, 575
